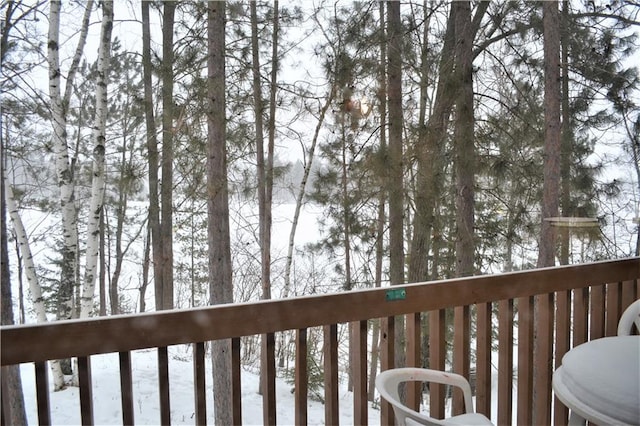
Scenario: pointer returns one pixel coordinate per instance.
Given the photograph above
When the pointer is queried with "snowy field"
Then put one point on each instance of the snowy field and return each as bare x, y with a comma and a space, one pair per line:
65, 406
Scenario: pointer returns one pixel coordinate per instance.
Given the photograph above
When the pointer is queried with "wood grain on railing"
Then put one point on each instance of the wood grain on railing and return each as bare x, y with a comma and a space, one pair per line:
331, 408
86, 393
525, 361
413, 357
199, 383
42, 392
461, 352
126, 387
163, 385
269, 384
437, 359
301, 380
505, 361
483, 358
573, 303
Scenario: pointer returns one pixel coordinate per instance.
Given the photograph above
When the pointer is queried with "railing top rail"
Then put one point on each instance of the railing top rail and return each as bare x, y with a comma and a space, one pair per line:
45, 341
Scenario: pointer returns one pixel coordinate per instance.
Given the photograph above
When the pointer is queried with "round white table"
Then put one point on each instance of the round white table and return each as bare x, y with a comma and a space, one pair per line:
599, 381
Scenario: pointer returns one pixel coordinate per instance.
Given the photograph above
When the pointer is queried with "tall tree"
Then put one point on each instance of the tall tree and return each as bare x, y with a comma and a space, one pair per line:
98, 182
59, 104
169, 129
464, 145
13, 412
220, 275
152, 148
552, 152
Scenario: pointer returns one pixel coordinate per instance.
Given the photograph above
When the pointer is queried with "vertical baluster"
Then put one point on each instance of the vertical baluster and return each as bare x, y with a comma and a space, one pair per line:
301, 380
414, 389
580, 315
199, 383
596, 319
387, 361
525, 361
505, 361
86, 393
163, 380
437, 352
629, 292
613, 311
126, 388
269, 384
236, 388
331, 374
543, 359
360, 406
461, 342
563, 340
42, 393
483, 359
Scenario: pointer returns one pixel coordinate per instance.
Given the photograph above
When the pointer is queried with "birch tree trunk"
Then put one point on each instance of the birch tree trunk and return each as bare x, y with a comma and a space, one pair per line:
98, 182
64, 166
302, 190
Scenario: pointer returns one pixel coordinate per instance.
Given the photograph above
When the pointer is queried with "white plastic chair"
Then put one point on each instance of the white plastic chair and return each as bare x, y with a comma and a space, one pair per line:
387, 383
629, 317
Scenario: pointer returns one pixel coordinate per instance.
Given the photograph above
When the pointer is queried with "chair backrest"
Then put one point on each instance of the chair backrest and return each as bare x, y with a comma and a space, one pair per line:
629, 317
387, 383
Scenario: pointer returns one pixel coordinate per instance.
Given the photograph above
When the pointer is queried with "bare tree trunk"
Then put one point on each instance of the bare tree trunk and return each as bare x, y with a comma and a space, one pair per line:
395, 181
309, 156
551, 166
13, 412
152, 148
168, 130
64, 167
98, 182
464, 148
382, 99
220, 268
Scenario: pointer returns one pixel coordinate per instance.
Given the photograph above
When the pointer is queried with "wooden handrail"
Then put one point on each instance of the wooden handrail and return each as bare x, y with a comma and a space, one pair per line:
572, 304
41, 342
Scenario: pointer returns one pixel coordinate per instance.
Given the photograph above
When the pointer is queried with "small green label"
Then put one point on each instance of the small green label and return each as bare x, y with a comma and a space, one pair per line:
396, 294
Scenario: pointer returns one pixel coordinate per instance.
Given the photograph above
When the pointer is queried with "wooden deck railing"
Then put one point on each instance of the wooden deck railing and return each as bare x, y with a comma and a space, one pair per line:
567, 305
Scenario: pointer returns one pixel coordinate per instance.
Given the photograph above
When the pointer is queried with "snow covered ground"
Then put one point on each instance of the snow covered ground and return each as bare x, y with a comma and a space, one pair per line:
65, 406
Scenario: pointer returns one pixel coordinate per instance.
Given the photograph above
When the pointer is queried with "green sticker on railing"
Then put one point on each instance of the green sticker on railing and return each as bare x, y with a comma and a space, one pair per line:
396, 294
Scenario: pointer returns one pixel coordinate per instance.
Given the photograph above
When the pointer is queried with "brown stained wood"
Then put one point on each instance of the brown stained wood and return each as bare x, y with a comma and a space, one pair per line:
596, 316
199, 383
301, 379
387, 362
42, 392
331, 408
236, 386
580, 315
525, 361
269, 384
163, 385
562, 346
38, 342
461, 356
613, 311
126, 388
360, 404
483, 359
413, 343
629, 292
543, 361
505, 361
86, 390
437, 358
